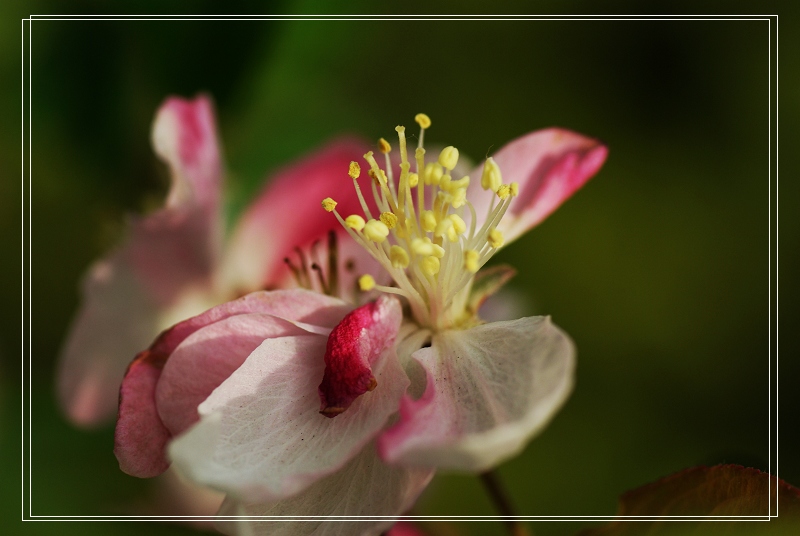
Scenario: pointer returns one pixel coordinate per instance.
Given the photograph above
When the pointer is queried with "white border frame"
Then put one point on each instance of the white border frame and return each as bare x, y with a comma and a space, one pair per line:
772, 263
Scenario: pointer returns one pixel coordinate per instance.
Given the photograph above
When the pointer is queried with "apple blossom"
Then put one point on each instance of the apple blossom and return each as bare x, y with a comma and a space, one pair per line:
283, 399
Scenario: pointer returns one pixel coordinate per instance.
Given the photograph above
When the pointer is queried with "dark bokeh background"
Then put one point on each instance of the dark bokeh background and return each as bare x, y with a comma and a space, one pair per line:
658, 268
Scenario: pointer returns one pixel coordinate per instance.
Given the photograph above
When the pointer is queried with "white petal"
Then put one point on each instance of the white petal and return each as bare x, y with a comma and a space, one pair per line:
365, 487
261, 435
490, 389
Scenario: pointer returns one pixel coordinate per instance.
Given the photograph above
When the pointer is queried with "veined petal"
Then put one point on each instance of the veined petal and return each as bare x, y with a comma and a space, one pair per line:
261, 435
296, 305
291, 202
490, 389
165, 384
549, 166
207, 358
364, 487
166, 256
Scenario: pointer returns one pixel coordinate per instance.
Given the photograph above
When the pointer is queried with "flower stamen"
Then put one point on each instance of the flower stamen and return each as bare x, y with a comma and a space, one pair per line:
426, 246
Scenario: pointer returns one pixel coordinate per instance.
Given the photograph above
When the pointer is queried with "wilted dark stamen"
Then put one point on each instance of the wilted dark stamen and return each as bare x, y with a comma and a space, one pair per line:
333, 264
321, 275
295, 271
304, 268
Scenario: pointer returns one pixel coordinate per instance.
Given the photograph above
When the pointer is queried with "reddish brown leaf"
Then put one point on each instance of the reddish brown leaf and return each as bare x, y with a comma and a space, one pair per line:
722, 490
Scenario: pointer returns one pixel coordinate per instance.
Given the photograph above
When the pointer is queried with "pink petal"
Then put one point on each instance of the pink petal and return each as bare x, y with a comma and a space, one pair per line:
296, 305
353, 346
549, 165
140, 438
207, 358
364, 487
261, 435
166, 383
489, 390
291, 203
165, 256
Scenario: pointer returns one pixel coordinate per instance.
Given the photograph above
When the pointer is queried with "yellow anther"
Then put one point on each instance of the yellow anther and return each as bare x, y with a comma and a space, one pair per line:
496, 238
422, 246
459, 198
354, 221
376, 230
423, 120
514, 187
383, 146
447, 228
438, 251
471, 258
430, 266
413, 180
366, 282
448, 158
419, 152
389, 219
399, 257
491, 178
458, 223
433, 173
463, 182
443, 226
445, 182
329, 204
504, 191
428, 221
354, 171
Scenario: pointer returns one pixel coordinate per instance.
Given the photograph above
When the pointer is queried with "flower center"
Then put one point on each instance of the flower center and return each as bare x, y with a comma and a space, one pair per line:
421, 236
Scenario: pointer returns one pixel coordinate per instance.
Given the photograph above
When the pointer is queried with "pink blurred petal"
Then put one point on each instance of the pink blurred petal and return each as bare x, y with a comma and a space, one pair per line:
184, 136
287, 214
165, 255
261, 435
353, 346
176, 496
114, 323
549, 165
405, 528
364, 487
159, 398
489, 390
179, 246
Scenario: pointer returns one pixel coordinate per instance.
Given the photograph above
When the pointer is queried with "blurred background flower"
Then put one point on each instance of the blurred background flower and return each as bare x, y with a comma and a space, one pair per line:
658, 268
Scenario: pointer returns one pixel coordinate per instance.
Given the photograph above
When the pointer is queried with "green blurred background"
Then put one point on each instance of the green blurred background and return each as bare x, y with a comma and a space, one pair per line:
658, 268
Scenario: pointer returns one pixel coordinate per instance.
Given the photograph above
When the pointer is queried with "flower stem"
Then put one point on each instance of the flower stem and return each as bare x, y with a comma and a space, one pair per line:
499, 497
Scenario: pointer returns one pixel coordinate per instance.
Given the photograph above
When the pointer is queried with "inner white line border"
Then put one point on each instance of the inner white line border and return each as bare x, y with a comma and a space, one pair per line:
26, 149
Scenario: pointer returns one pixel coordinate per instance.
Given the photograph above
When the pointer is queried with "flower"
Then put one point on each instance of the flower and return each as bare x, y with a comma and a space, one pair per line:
174, 263
284, 399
